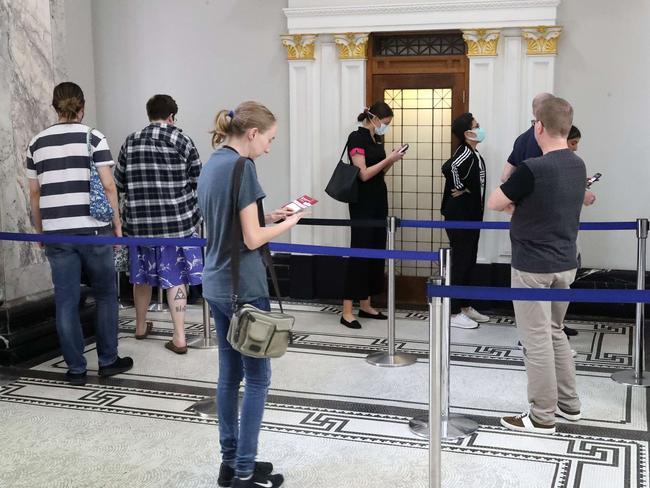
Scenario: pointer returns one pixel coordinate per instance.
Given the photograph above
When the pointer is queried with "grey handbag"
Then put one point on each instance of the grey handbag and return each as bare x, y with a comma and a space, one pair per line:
254, 332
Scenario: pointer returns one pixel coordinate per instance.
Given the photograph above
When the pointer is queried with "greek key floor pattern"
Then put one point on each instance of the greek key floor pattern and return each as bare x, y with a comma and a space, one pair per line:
331, 418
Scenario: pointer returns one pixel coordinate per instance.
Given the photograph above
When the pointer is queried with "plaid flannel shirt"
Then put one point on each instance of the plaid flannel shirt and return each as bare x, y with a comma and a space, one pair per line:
156, 175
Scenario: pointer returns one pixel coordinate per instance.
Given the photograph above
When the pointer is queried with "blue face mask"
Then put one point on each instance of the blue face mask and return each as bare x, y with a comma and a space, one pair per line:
381, 130
479, 133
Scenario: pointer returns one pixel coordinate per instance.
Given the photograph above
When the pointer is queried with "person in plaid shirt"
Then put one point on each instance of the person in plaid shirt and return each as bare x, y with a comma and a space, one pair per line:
156, 174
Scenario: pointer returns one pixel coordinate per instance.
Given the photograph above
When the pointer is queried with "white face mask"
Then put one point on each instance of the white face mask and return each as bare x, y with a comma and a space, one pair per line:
381, 130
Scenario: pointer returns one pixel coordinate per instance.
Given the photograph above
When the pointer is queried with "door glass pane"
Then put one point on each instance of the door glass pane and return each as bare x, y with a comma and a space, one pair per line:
423, 120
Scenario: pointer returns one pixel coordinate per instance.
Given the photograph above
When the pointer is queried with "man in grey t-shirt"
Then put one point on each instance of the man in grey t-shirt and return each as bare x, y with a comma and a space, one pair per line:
545, 196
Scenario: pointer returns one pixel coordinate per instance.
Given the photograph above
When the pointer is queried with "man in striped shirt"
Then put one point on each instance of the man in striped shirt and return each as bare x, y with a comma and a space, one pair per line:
58, 169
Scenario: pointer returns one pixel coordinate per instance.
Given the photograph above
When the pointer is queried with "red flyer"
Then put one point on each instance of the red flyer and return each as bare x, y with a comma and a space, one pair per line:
301, 203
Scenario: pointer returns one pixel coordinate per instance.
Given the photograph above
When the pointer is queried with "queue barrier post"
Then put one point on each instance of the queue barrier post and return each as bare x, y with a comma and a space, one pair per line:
159, 306
120, 306
420, 425
207, 341
636, 376
391, 359
452, 426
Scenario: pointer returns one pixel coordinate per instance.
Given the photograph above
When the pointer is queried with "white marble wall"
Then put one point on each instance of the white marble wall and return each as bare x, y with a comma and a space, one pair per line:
31, 40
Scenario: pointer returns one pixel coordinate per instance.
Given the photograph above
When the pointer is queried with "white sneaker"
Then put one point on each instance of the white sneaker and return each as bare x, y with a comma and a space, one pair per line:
474, 315
574, 353
462, 321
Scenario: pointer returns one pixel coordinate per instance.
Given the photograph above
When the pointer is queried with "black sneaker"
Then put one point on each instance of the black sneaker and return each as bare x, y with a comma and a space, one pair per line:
259, 481
77, 379
226, 473
570, 332
119, 366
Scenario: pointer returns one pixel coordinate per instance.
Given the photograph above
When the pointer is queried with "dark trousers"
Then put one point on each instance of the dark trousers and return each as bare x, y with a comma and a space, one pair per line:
464, 249
365, 277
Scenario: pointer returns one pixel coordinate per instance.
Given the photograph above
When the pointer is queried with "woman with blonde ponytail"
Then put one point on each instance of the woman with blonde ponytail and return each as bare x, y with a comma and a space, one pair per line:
247, 132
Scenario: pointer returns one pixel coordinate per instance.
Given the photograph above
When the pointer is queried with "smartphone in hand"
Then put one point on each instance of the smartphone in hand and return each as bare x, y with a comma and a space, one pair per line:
403, 149
593, 179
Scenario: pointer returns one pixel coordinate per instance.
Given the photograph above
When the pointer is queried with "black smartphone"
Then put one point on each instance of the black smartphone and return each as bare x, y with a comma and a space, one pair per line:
593, 179
403, 149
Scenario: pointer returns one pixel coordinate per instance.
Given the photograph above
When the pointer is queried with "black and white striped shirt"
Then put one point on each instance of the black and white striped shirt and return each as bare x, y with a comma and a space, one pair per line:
58, 158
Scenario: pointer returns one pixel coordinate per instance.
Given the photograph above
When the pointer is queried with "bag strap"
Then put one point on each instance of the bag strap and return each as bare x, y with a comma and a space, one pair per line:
236, 238
89, 148
341, 158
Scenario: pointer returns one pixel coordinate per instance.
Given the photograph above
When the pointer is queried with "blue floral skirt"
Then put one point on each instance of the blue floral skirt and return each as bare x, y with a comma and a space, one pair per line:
165, 266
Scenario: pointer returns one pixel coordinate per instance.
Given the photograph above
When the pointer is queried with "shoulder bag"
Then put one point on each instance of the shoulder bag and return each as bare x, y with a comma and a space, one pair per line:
100, 207
344, 183
254, 332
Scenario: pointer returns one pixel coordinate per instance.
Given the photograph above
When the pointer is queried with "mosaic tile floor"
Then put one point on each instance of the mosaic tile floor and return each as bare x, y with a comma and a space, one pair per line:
331, 419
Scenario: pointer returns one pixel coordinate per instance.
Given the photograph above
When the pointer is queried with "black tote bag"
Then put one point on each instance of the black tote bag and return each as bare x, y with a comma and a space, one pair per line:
344, 183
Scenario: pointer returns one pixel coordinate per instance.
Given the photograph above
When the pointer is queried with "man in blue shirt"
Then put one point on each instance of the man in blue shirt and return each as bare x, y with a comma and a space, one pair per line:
525, 145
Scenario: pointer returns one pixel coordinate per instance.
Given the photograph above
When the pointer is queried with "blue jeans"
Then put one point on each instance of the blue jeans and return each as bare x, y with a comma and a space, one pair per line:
239, 439
66, 262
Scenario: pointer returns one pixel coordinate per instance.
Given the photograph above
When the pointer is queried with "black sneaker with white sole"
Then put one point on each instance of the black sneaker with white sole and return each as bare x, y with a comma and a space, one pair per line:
259, 481
226, 473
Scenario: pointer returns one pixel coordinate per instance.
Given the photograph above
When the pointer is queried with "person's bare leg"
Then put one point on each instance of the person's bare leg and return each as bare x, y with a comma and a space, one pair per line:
367, 307
348, 314
141, 298
177, 300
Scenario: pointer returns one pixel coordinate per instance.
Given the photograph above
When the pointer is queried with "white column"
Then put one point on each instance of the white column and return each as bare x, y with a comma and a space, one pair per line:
304, 108
482, 52
513, 118
331, 143
539, 64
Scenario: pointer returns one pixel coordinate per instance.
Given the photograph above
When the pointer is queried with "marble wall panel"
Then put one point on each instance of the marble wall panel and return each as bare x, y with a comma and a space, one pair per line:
27, 67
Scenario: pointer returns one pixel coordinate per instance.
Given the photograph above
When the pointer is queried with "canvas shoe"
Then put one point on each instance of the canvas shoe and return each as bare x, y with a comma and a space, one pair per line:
474, 315
566, 414
462, 321
524, 423
226, 473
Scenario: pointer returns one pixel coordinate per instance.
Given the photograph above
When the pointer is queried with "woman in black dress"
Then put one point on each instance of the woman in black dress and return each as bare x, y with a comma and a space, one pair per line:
365, 277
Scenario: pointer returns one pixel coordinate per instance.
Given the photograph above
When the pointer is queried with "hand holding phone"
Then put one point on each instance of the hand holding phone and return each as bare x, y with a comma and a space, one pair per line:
403, 149
593, 179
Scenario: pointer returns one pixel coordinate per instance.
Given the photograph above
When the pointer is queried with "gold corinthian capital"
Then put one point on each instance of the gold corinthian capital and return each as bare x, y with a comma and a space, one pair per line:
299, 46
541, 40
351, 45
481, 42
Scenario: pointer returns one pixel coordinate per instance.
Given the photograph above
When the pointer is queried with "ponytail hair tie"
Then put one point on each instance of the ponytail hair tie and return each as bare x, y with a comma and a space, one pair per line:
231, 114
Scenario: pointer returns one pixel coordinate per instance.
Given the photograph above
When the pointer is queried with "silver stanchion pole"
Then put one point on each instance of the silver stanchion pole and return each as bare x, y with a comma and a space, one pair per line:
207, 341
636, 376
119, 297
159, 305
420, 425
206, 408
453, 426
390, 358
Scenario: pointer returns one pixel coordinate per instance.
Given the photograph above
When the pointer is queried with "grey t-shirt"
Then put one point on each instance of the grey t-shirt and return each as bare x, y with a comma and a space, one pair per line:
215, 197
